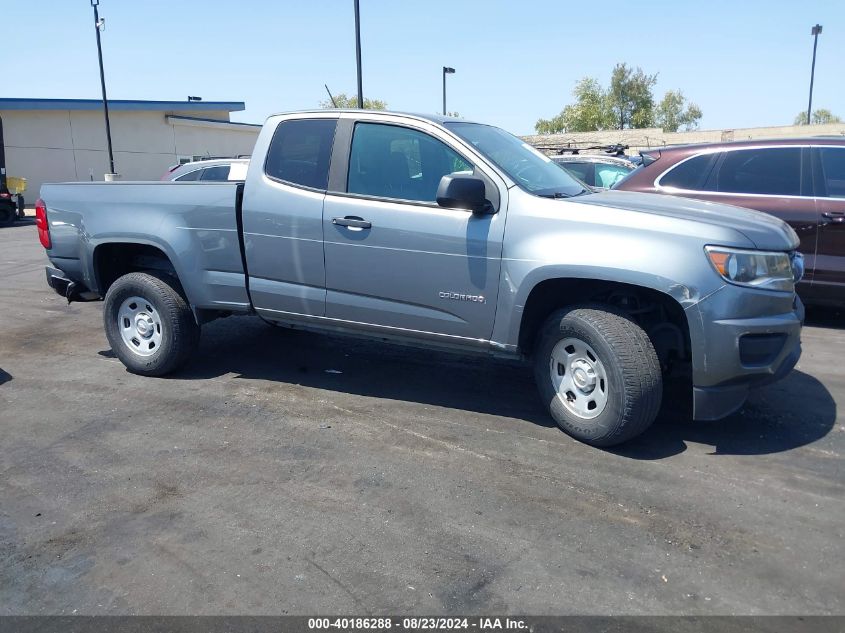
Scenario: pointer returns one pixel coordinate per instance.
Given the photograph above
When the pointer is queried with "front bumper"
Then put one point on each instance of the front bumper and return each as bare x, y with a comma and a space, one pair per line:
733, 355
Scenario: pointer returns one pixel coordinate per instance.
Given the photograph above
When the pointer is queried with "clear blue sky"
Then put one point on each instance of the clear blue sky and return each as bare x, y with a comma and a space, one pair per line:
745, 62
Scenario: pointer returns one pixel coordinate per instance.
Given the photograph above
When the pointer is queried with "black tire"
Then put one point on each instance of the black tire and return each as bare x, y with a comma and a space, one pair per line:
178, 332
631, 386
8, 213
21, 208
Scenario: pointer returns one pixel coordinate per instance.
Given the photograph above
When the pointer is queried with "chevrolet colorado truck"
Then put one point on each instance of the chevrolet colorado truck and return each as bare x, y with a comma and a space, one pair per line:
441, 232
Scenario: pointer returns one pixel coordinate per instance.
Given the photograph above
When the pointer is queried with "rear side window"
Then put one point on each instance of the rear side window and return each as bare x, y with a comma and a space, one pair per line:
191, 175
218, 173
300, 152
833, 171
689, 174
766, 170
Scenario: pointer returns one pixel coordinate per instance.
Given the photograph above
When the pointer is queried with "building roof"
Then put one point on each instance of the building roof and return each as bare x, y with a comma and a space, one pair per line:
200, 122
120, 104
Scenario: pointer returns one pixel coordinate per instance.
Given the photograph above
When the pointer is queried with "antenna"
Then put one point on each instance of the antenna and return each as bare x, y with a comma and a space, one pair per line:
334, 103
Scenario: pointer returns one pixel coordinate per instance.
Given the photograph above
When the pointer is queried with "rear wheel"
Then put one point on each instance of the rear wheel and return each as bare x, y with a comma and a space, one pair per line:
21, 207
149, 323
598, 373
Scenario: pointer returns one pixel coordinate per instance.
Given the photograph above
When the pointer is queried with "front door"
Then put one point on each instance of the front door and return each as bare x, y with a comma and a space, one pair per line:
829, 278
396, 259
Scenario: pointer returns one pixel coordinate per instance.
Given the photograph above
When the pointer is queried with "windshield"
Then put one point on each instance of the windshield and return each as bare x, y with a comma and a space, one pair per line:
530, 169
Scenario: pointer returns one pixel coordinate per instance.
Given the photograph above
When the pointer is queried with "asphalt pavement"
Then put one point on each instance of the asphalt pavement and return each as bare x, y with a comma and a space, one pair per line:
285, 472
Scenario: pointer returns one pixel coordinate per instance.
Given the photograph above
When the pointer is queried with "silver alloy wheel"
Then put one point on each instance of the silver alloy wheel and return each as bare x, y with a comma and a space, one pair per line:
579, 378
140, 326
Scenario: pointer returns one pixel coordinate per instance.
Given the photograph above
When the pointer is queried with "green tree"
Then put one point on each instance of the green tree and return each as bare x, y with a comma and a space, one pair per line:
627, 103
550, 126
820, 117
674, 112
344, 101
591, 111
630, 97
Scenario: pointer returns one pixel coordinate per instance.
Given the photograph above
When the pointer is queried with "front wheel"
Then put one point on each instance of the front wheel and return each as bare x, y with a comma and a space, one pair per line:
149, 324
598, 374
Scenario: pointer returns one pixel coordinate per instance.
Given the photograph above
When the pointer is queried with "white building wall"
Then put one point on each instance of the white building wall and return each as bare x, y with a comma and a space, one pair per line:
68, 145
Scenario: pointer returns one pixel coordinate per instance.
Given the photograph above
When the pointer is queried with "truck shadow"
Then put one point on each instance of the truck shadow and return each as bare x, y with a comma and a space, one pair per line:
792, 413
825, 317
18, 223
255, 350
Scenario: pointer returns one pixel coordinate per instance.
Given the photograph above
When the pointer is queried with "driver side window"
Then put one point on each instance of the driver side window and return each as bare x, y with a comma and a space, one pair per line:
390, 161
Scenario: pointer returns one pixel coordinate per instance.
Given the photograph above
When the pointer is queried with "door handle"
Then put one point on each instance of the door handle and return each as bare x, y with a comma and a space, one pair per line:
353, 221
835, 217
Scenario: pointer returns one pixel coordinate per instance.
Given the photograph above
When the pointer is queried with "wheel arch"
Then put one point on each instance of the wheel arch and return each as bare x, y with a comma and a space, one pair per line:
659, 313
112, 260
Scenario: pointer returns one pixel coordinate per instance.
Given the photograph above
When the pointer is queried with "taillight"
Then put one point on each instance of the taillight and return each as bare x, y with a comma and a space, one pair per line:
42, 224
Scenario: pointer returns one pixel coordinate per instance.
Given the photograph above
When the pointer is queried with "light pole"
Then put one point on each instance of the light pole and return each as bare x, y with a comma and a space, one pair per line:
815, 32
2, 160
446, 71
97, 26
358, 54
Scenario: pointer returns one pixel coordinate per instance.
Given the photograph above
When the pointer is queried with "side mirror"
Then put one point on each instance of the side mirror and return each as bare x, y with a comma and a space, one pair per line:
463, 192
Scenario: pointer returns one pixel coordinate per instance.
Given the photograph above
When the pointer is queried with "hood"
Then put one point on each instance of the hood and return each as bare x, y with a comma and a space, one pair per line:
765, 231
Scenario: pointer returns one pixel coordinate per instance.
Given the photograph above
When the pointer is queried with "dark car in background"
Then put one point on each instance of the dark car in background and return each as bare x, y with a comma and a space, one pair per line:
801, 181
597, 170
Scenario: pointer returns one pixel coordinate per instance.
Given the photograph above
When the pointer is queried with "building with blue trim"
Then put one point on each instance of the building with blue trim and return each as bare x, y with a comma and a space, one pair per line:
61, 140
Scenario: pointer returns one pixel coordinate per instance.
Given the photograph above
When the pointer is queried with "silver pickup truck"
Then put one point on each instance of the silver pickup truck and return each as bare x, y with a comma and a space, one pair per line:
442, 232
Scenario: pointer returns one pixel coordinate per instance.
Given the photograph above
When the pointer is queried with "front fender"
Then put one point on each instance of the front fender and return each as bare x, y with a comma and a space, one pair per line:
674, 265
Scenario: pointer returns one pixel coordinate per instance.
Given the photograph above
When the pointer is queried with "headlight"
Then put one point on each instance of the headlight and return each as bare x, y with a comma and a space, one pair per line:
757, 269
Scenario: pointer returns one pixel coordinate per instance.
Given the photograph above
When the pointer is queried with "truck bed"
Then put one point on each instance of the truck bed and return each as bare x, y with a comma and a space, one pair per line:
194, 224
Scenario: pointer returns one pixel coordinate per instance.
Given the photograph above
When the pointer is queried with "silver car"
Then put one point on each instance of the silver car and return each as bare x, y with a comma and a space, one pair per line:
597, 170
216, 170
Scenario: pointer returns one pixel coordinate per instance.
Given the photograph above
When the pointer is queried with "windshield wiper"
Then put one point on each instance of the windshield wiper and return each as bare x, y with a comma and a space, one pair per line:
561, 194
556, 194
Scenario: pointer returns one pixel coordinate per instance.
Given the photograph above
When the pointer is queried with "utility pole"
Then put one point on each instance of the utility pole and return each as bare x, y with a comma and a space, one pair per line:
97, 25
815, 32
358, 54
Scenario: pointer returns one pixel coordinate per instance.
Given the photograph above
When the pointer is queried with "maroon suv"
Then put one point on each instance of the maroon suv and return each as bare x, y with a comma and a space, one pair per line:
801, 181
